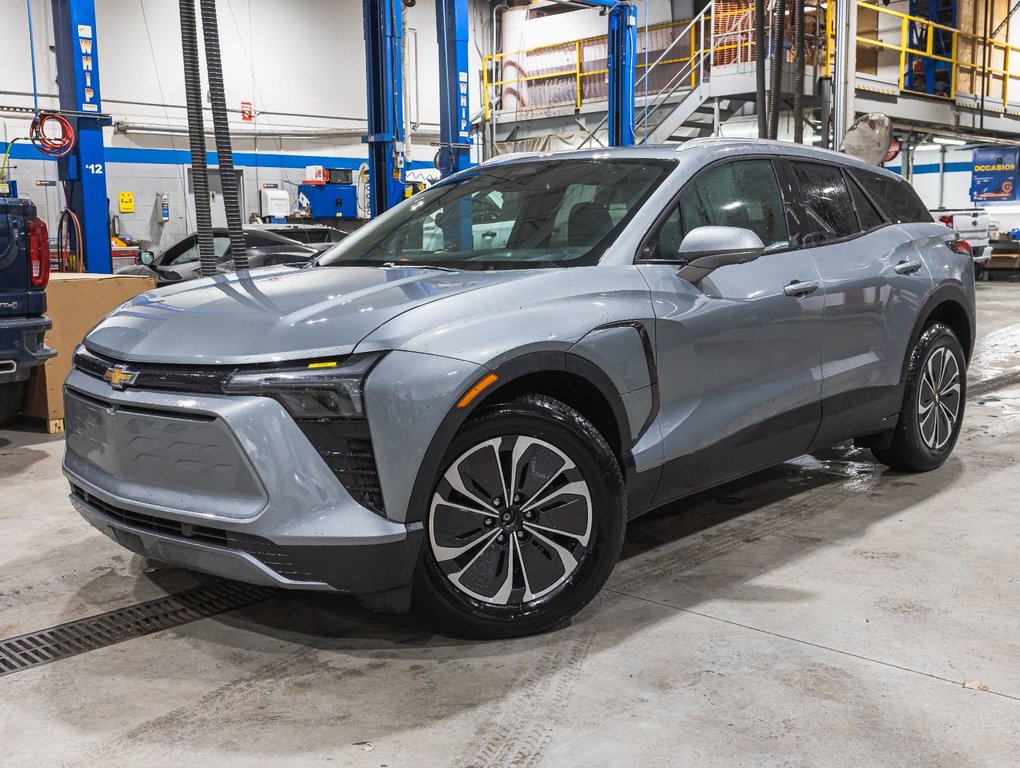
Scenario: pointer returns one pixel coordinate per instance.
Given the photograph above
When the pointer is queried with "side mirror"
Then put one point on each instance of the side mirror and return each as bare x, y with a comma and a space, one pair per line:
705, 249
146, 258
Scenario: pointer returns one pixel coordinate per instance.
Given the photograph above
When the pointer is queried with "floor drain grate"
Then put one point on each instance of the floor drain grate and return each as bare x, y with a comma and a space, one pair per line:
94, 632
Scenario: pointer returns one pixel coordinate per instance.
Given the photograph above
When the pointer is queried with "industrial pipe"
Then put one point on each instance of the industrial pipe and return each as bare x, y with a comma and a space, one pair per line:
798, 71
759, 68
844, 72
218, 99
196, 135
778, 54
129, 126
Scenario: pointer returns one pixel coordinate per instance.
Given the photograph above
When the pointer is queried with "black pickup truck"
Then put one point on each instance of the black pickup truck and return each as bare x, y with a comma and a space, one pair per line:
24, 273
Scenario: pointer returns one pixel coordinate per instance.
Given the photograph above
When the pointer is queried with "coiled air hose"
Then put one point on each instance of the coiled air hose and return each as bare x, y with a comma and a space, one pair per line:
196, 137
228, 179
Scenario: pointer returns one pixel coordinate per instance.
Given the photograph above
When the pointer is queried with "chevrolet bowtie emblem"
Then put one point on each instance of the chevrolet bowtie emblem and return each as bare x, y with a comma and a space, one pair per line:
119, 376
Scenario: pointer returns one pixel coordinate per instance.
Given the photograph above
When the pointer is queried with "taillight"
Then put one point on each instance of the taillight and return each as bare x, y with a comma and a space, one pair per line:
39, 252
960, 246
947, 220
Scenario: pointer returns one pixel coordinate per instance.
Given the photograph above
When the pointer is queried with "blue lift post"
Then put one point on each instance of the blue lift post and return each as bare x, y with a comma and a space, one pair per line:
452, 26
621, 63
84, 169
622, 44
383, 30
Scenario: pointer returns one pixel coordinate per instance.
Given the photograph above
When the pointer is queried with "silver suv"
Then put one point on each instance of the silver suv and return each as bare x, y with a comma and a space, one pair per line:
462, 404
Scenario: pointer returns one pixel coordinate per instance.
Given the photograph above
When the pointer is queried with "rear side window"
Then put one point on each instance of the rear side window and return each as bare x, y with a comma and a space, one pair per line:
744, 194
895, 196
826, 199
867, 213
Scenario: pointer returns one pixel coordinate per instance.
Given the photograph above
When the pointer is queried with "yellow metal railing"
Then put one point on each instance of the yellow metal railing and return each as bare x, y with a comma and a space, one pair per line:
727, 34
896, 39
574, 66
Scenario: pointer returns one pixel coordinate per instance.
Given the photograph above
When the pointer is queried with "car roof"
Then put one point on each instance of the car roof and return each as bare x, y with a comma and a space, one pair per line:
284, 227
693, 147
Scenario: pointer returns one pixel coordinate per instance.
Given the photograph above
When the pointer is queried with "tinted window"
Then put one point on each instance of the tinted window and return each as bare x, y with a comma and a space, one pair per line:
507, 216
826, 200
866, 212
220, 243
740, 194
310, 234
895, 196
256, 239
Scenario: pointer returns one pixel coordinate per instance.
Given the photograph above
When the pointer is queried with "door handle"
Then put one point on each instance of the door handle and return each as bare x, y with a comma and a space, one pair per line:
908, 267
801, 289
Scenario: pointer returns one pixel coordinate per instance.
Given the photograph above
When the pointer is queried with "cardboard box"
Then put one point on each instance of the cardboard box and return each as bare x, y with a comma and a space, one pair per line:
75, 303
1003, 261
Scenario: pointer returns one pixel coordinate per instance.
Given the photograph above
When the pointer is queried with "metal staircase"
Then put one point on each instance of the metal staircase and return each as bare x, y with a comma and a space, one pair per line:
702, 74
678, 109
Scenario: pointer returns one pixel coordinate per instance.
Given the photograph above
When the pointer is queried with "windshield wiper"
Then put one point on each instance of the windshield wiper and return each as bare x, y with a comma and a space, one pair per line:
410, 265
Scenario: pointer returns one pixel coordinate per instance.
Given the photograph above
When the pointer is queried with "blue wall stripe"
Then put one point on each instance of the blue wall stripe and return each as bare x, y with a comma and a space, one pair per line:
934, 168
25, 151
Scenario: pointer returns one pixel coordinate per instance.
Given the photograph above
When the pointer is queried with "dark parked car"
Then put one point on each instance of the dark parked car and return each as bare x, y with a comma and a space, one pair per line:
312, 234
267, 246
24, 273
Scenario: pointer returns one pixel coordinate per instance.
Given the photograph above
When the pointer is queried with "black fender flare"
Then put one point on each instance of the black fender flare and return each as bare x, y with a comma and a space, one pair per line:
508, 372
948, 292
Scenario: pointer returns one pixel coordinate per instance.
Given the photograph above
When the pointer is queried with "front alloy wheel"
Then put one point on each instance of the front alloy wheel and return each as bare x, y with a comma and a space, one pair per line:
511, 520
525, 522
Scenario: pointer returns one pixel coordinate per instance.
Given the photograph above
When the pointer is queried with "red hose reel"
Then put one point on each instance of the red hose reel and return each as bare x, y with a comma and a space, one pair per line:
49, 145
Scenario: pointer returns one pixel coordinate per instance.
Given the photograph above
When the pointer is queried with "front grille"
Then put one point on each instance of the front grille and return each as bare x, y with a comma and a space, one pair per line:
345, 446
261, 549
175, 378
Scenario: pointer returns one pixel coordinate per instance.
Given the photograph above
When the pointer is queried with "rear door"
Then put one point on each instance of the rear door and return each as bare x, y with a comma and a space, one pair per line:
874, 283
14, 258
738, 354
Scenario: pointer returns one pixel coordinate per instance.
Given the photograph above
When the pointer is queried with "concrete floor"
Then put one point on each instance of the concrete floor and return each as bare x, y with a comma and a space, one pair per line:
823, 613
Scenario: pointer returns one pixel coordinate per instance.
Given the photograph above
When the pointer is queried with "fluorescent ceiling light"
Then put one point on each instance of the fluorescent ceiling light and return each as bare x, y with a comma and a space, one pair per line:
925, 147
948, 142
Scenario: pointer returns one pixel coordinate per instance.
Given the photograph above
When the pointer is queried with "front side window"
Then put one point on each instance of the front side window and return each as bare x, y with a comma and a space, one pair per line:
830, 213
744, 193
536, 213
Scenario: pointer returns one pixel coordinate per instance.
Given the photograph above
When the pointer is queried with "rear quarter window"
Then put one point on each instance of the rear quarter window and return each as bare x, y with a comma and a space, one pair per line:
895, 196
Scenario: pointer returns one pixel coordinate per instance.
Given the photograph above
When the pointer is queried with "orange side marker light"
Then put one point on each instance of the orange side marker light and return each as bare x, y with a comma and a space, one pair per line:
477, 389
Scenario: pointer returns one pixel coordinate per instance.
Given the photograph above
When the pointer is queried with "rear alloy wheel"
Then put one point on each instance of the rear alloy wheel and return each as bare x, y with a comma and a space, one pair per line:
933, 404
525, 523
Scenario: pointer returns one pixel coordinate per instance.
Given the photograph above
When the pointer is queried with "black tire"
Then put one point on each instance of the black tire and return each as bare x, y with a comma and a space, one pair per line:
11, 395
929, 425
554, 508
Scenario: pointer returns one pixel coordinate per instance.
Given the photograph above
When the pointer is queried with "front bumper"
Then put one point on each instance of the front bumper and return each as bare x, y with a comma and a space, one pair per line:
226, 485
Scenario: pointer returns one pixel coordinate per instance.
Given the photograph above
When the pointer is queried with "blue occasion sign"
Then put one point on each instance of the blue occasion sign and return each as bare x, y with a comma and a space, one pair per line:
993, 177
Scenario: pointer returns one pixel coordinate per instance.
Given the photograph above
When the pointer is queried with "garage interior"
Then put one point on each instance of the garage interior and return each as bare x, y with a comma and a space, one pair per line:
827, 611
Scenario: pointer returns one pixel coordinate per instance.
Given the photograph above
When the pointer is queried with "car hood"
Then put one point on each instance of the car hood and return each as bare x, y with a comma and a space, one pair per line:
273, 313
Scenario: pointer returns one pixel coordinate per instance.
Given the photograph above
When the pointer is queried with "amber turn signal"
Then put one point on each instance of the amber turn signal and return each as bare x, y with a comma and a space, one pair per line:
477, 389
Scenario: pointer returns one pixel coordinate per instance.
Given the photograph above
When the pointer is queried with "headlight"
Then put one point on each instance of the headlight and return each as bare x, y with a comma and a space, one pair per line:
318, 390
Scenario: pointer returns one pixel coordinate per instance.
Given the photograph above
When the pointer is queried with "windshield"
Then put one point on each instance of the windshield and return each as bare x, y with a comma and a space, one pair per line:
528, 214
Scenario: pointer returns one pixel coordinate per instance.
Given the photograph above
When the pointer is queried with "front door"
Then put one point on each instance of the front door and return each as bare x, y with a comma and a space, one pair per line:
738, 354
